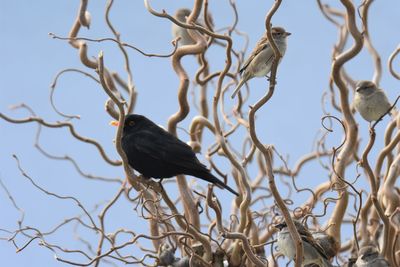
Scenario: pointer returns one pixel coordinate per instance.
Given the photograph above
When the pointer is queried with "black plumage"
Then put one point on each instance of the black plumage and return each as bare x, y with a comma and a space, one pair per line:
155, 153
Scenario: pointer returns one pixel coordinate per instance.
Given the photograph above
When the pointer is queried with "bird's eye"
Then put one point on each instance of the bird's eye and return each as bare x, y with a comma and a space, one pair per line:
131, 123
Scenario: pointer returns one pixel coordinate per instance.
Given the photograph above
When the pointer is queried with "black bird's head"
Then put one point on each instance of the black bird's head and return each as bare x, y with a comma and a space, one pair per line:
134, 122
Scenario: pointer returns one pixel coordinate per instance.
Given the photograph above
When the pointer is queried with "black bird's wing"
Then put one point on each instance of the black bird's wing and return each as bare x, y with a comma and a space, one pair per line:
155, 153
177, 153
181, 156
158, 154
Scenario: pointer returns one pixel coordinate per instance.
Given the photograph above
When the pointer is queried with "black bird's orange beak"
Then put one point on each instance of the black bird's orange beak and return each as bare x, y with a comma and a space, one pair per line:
114, 123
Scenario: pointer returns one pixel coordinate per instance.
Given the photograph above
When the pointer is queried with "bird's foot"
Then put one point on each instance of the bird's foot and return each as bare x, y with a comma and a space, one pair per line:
269, 79
160, 184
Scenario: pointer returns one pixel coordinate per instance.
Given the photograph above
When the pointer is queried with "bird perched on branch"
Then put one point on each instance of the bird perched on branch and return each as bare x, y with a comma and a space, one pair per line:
368, 256
260, 60
328, 243
166, 255
313, 252
177, 31
370, 101
155, 153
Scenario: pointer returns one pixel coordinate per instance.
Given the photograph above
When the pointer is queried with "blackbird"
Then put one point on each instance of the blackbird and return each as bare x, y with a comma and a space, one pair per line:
155, 153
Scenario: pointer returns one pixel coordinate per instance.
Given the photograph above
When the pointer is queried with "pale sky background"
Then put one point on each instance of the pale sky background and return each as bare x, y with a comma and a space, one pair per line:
30, 60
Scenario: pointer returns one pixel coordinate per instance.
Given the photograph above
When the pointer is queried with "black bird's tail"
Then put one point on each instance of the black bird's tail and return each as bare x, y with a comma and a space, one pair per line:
209, 177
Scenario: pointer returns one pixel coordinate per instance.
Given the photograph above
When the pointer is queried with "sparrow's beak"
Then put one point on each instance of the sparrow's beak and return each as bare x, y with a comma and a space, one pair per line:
358, 89
114, 123
288, 33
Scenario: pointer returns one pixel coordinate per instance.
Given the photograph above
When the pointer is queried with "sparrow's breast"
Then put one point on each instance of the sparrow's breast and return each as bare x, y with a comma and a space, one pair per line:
286, 245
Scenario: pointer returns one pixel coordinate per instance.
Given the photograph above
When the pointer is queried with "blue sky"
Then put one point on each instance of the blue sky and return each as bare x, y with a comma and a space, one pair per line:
31, 59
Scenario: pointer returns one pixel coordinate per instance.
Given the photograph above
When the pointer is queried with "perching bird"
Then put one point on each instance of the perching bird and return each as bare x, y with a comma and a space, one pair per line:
260, 60
368, 256
370, 101
166, 255
177, 31
155, 153
313, 252
328, 243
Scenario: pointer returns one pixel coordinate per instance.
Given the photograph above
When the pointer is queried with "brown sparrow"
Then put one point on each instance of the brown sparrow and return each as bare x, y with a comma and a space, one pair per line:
177, 31
313, 252
260, 60
370, 101
369, 257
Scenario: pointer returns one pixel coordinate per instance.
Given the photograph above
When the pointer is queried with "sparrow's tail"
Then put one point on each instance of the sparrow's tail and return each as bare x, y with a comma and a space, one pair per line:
241, 82
207, 176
